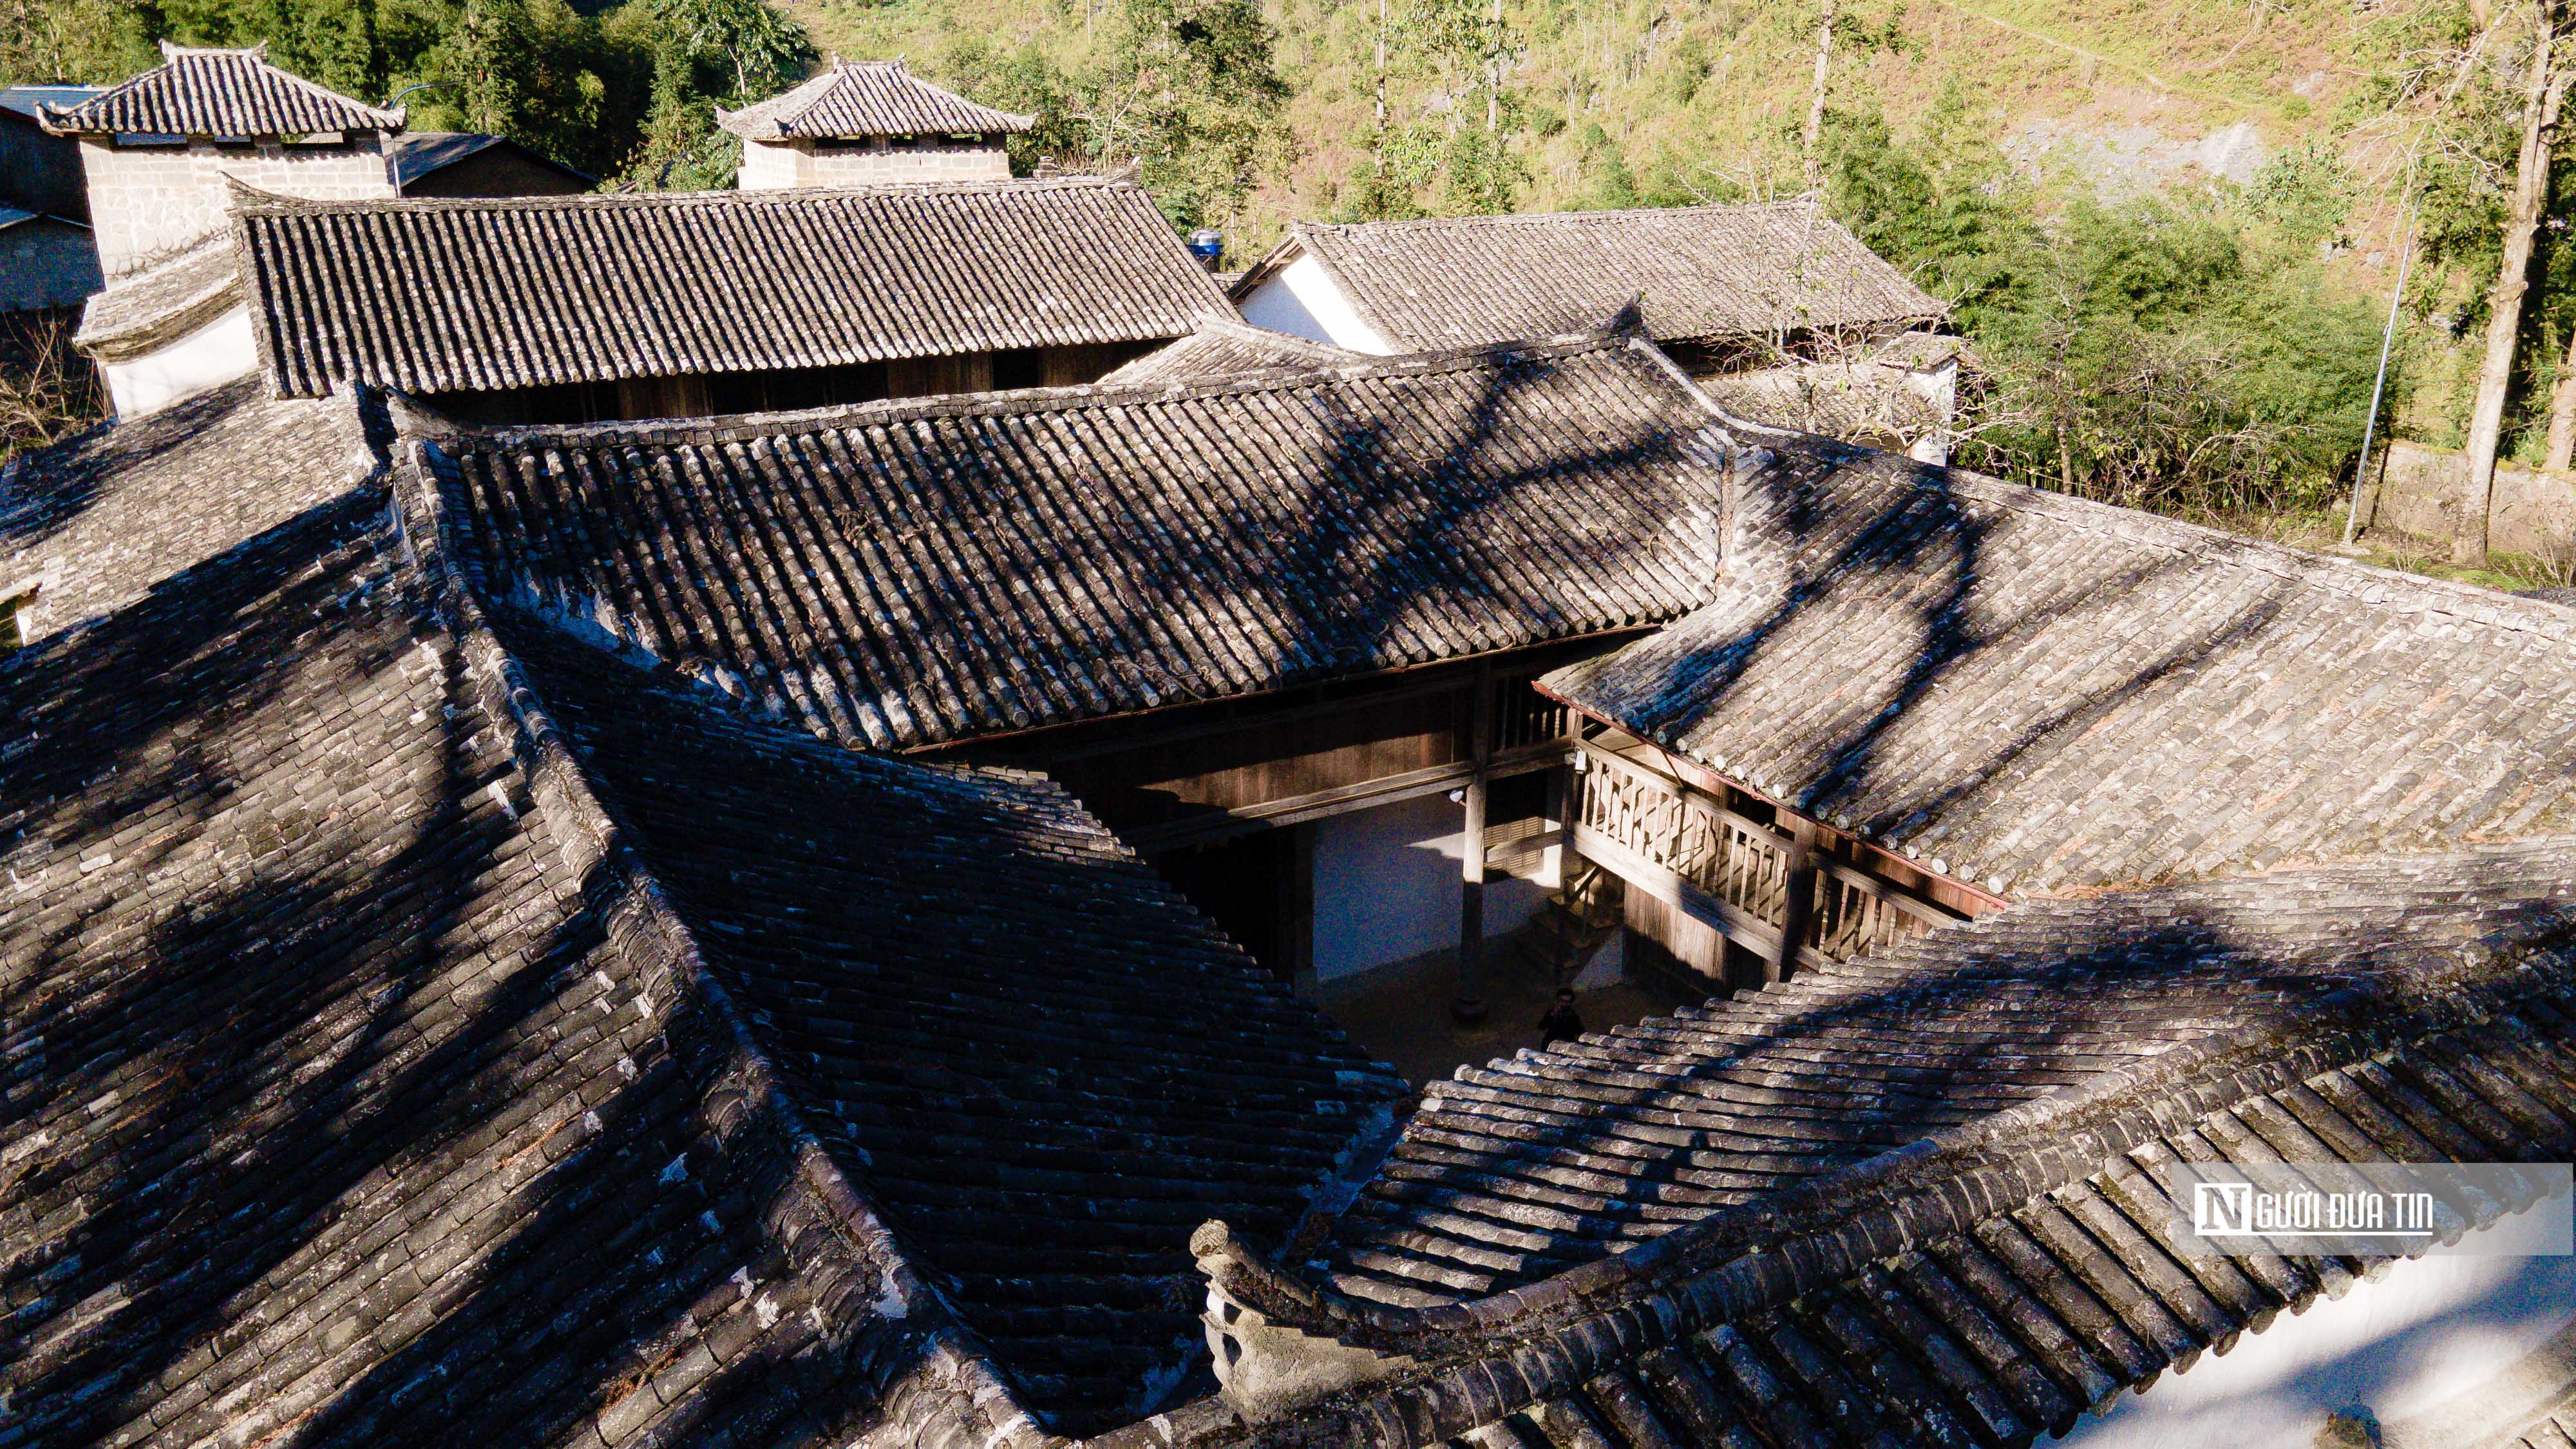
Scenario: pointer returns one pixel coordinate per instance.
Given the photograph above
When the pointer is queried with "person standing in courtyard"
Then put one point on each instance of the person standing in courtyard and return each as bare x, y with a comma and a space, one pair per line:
1562, 1022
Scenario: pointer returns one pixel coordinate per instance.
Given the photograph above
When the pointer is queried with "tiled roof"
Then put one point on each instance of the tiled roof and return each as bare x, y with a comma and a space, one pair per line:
417, 154
161, 301
359, 1087
98, 520
1706, 273
399, 1054
23, 100
901, 574
221, 93
1990, 1281
2035, 694
1523, 1168
1044, 1065
868, 99
1224, 348
1846, 400
430, 296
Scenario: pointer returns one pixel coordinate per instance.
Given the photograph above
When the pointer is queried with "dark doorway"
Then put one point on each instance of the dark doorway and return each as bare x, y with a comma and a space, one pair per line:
1254, 888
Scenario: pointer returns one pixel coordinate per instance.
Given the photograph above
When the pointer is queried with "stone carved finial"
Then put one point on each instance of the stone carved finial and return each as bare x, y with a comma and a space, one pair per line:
1263, 1365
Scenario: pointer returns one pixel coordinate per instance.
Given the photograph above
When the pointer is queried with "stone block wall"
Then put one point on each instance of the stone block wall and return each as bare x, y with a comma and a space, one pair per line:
770, 165
2418, 490
148, 201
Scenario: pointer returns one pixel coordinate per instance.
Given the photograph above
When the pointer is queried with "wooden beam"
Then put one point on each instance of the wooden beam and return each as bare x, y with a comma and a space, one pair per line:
1509, 851
1931, 913
1111, 733
1768, 835
1113, 742
1746, 930
1798, 887
1219, 825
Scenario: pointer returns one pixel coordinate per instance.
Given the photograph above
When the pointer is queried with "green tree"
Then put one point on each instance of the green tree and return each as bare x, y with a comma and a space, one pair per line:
703, 54
330, 41
538, 71
1608, 183
1187, 92
1024, 79
2185, 357
754, 49
1946, 206
1481, 175
1402, 160
681, 149
74, 40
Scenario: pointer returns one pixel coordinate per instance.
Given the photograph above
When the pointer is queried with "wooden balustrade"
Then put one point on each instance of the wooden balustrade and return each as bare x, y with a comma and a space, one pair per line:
1730, 870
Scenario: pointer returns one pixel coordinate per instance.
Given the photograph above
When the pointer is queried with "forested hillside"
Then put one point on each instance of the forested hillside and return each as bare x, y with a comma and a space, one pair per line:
2169, 228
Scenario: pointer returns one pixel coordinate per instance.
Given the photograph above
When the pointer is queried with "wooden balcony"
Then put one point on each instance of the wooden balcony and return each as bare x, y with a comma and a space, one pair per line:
1734, 874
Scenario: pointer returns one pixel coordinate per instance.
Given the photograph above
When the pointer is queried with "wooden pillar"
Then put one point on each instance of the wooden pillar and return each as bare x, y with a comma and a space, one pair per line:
1468, 1004
1297, 929
1798, 909
1552, 813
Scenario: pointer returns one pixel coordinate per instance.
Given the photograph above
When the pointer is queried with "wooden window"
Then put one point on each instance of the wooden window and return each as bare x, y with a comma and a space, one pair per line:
17, 619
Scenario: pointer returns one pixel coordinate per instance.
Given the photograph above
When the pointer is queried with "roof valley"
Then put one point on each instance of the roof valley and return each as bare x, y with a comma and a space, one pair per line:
953, 1387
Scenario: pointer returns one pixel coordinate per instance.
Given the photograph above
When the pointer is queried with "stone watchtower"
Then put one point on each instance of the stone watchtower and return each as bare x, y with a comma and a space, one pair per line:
157, 149
869, 123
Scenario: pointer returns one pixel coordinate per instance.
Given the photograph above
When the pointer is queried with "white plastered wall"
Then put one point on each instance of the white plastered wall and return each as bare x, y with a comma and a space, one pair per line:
2426, 1344
1302, 300
769, 166
1387, 887
215, 353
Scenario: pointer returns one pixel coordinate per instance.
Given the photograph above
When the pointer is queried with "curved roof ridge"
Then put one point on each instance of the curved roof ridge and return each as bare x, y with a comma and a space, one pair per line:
217, 91
855, 100
1317, 456
744, 427
1557, 218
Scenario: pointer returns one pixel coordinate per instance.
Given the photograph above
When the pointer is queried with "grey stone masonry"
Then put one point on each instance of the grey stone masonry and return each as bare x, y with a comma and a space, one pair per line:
772, 165
147, 201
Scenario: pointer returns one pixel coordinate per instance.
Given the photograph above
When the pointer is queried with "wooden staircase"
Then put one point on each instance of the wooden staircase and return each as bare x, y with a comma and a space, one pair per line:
1580, 915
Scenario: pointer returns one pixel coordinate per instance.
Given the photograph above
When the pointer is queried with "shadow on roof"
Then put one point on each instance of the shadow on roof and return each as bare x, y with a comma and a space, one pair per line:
899, 575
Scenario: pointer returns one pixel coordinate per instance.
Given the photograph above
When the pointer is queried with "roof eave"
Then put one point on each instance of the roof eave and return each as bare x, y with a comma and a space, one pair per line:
1281, 255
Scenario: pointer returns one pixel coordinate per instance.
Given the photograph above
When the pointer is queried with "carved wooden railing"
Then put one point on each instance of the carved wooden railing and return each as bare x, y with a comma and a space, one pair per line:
1732, 870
